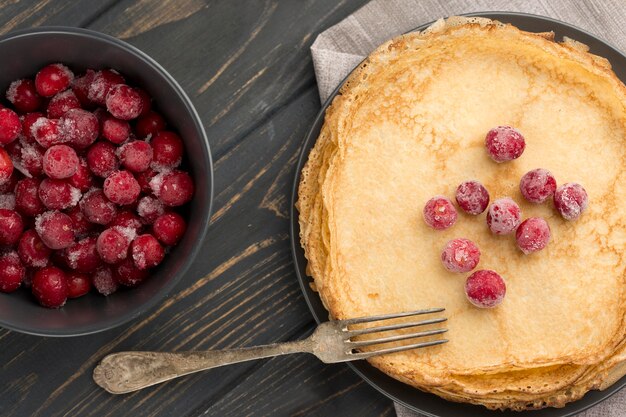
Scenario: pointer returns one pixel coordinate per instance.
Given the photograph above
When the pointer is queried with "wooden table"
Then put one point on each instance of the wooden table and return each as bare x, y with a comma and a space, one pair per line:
246, 66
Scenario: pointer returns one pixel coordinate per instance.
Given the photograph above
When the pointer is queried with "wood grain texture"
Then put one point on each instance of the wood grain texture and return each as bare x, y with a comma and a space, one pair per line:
247, 68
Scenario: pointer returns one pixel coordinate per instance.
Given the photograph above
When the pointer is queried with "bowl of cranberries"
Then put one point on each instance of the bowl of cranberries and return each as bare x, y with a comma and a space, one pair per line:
105, 182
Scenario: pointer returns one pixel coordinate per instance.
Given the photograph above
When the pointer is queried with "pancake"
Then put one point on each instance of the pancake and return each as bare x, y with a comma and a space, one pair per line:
409, 124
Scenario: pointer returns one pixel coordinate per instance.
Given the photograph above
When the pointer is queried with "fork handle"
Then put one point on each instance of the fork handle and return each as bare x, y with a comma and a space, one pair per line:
124, 372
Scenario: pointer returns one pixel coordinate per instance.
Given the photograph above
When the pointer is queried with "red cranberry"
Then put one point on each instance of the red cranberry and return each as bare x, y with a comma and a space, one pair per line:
115, 130
58, 194
78, 284
6, 166
485, 288
136, 155
127, 274
121, 187
31, 159
80, 224
146, 251
55, 229
27, 199
571, 200
11, 227
104, 281
149, 208
146, 102
33, 252
113, 244
97, 208
127, 219
532, 235
53, 79
101, 159
537, 185
62, 103
12, 272
23, 95
47, 132
176, 188
472, 197
504, 143
10, 126
80, 127
80, 87
82, 178
503, 216
144, 178
82, 256
27, 124
439, 212
60, 161
460, 255
149, 125
123, 102
101, 84
167, 150
170, 227
50, 287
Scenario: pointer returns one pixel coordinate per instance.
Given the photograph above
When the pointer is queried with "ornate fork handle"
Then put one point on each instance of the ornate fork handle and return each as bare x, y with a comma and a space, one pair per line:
124, 372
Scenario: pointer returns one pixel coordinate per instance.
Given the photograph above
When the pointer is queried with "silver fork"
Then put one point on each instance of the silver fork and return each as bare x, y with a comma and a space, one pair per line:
331, 342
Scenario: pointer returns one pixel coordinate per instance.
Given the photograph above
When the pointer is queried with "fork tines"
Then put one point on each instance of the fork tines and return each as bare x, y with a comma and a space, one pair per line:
350, 334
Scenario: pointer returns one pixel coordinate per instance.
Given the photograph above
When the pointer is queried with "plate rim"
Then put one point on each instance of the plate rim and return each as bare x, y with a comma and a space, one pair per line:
593, 397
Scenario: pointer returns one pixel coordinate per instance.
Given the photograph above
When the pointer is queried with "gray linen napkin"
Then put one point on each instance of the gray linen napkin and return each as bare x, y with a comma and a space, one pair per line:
340, 48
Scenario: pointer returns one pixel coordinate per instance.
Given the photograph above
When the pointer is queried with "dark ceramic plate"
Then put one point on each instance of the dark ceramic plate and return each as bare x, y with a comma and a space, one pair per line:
428, 404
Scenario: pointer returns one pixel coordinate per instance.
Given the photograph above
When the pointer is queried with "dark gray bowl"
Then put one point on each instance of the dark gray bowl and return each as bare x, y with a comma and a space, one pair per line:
23, 54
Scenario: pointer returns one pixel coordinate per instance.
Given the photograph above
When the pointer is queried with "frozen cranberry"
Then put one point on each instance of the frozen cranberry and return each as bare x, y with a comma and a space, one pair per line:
8, 186
167, 150
50, 287
23, 95
439, 212
27, 123
80, 87
32, 250
115, 130
53, 79
80, 224
176, 188
113, 244
55, 229
472, 197
121, 187
101, 84
58, 194
146, 101
136, 155
10, 126
571, 200
460, 255
127, 219
104, 281
532, 235
6, 166
27, 199
144, 178
149, 125
62, 103
485, 288
123, 102
146, 251
149, 209
97, 208
60, 161
12, 272
11, 227
78, 284
47, 132
31, 159
503, 216
82, 178
101, 159
169, 228
127, 274
82, 256
537, 185
80, 127
504, 143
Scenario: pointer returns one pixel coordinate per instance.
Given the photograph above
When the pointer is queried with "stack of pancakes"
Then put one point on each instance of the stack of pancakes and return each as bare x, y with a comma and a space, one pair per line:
410, 124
